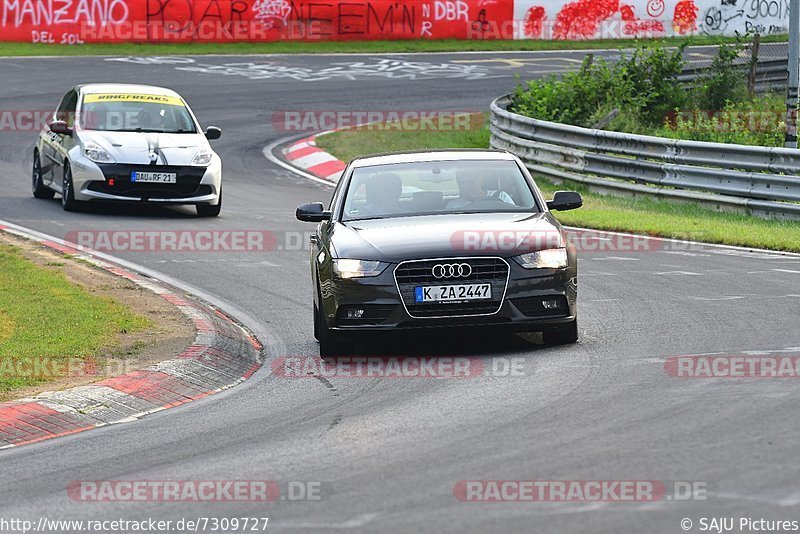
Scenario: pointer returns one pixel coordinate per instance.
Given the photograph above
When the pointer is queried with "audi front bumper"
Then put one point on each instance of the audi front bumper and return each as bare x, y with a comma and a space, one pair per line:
525, 300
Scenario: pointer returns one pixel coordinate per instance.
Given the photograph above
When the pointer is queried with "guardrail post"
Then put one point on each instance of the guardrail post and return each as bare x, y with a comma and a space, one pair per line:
751, 80
794, 74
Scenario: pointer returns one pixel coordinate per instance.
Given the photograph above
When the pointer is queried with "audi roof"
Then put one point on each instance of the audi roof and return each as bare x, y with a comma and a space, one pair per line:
421, 156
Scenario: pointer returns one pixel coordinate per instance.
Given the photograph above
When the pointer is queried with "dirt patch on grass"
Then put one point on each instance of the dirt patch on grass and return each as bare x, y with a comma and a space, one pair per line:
169, 331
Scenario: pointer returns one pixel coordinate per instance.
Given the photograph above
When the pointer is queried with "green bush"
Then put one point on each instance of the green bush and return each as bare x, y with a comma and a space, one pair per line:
645, 80
723, 83
644, 90
571, 99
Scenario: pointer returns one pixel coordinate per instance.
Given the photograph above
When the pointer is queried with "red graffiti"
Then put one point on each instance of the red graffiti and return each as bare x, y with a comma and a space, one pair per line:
534, 22
685, 19
581, 19
636, 27
643, 28
627, 13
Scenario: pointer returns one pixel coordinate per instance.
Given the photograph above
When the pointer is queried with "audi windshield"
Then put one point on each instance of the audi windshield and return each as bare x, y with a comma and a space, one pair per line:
437, 187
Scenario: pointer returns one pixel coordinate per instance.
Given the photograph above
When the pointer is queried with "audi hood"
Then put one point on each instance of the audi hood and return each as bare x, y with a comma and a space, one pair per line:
137, 147
437, 236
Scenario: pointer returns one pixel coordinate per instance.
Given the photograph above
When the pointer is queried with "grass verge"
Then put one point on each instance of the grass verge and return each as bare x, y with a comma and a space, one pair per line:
342, 47
46, 319
641, 215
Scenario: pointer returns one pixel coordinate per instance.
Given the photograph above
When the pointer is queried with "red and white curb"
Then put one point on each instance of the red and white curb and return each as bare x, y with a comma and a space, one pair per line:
305, 155
223, 355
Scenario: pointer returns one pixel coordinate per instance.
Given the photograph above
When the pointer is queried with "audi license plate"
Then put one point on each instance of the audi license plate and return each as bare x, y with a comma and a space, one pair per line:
154, 177
453, 293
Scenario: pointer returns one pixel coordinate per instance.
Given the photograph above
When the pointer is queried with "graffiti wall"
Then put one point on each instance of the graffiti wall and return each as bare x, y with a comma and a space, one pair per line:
71, 21
592, 19
79, 21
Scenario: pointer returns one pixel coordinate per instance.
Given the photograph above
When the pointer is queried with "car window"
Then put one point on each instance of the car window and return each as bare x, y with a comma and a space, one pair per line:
66, 109
436, 187
136, 113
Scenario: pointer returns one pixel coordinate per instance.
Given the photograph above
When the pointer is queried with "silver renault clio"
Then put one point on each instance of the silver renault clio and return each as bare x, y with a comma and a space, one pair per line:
127, 143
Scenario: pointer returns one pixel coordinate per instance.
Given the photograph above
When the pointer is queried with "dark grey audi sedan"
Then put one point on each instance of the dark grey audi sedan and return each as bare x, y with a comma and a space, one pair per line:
441, 239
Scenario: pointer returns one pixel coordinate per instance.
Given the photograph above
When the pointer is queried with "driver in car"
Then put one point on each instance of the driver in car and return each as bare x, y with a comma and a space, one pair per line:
472, 189
382, 195
155, 119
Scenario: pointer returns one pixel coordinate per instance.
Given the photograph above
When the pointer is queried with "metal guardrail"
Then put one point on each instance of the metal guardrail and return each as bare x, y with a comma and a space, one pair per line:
770, 75
759, 180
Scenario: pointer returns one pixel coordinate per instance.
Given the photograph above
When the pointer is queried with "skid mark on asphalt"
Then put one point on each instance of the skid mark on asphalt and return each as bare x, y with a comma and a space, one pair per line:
327, 383
336, 420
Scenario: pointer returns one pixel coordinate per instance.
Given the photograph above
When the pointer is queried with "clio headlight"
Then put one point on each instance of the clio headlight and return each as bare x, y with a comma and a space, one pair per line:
96, 153
203, 157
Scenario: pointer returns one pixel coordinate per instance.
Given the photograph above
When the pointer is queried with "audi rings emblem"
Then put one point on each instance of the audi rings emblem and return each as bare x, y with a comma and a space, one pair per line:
451, 270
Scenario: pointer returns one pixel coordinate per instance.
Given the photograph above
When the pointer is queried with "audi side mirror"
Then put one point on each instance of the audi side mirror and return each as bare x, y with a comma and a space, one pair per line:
60, 127
565, 200
313, 212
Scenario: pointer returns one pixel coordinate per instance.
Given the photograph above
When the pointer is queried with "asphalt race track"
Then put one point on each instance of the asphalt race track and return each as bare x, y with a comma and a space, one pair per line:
388, 452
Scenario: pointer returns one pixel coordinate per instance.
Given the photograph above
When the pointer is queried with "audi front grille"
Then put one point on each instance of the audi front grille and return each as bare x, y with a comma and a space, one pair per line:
410, 274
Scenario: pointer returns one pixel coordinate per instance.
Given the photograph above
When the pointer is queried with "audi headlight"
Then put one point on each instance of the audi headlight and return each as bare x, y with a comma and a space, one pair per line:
553, 258
346, 268
203, 157
96, 153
